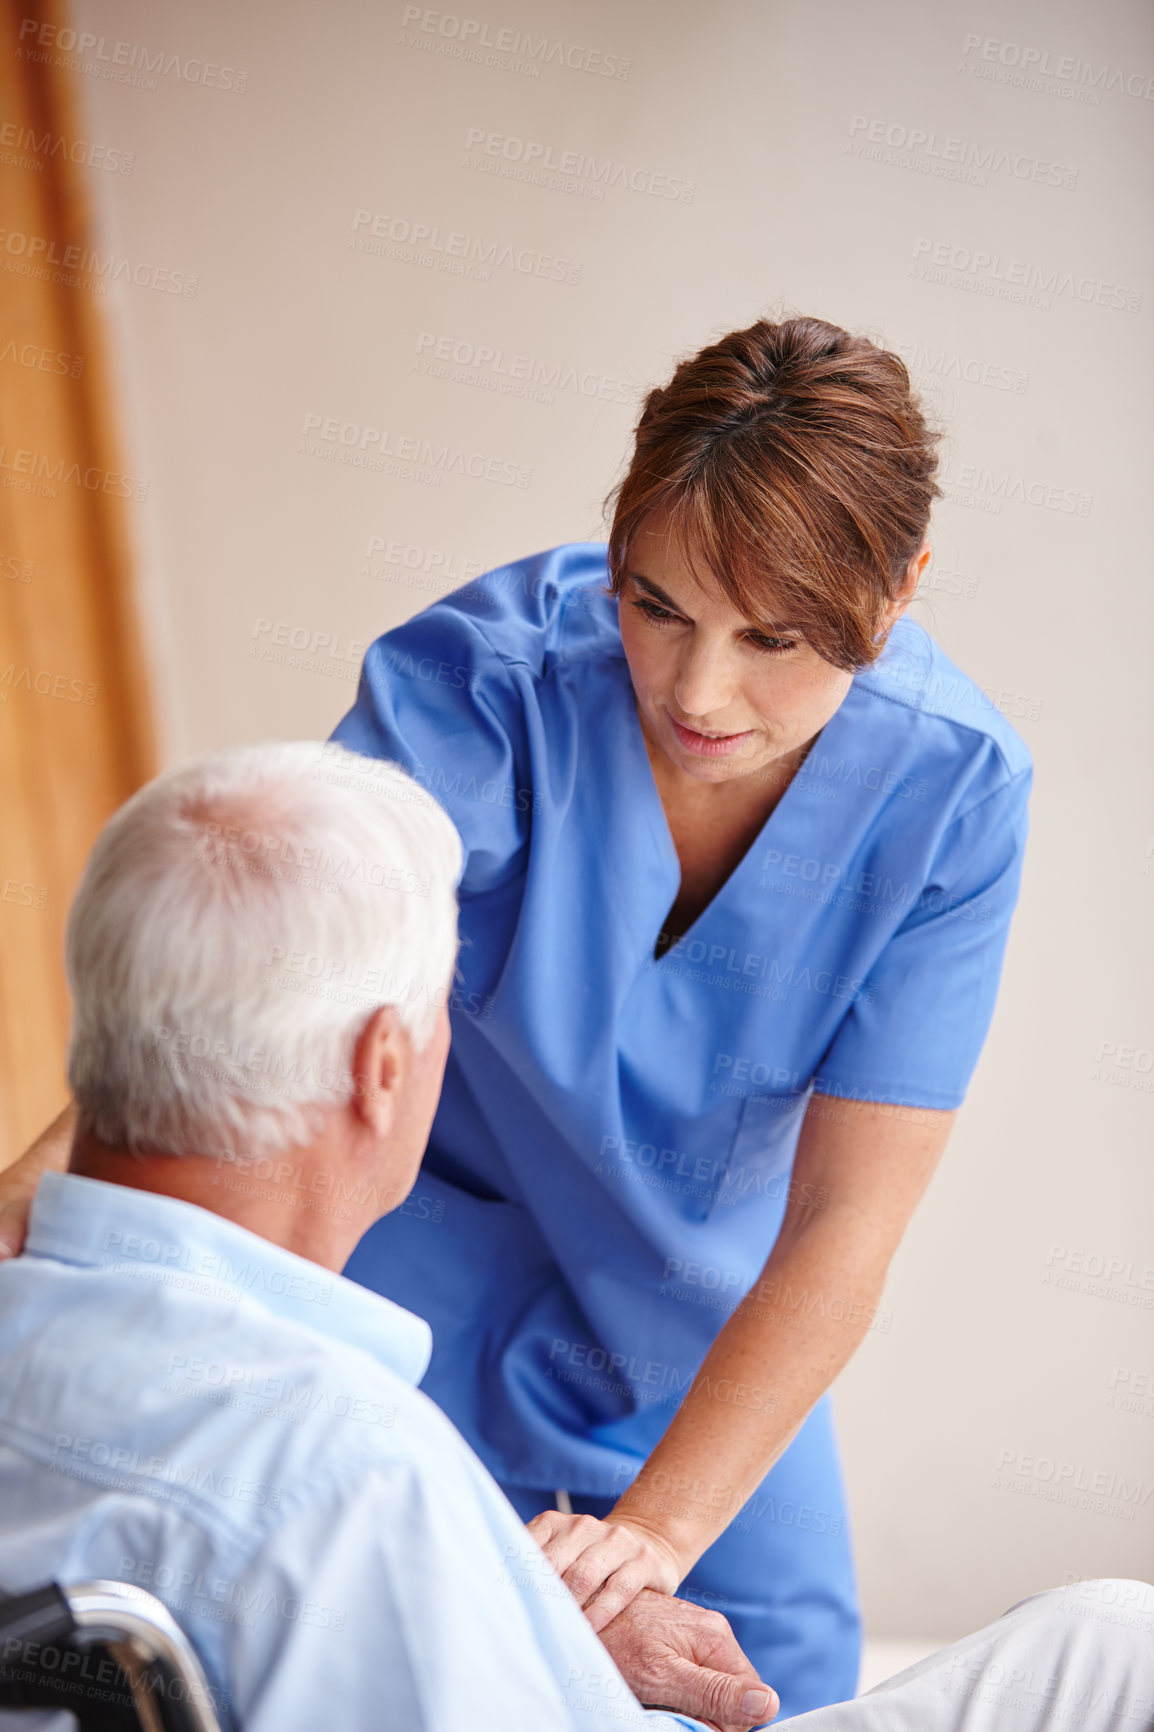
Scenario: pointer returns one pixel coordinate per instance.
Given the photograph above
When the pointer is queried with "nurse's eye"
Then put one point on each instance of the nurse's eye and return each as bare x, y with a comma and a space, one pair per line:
652, 610
774, 646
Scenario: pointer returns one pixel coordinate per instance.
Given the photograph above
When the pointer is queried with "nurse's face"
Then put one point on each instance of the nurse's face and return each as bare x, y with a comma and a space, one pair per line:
723, 697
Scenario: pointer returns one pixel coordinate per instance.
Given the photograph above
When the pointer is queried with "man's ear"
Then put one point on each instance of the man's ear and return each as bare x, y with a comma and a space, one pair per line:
382, 1058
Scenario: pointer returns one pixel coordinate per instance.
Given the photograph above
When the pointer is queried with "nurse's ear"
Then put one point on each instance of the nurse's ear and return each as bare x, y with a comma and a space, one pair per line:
907, 590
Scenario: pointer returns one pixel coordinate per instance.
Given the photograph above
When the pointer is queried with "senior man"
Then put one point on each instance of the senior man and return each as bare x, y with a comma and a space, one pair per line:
191, 1397
194, 1400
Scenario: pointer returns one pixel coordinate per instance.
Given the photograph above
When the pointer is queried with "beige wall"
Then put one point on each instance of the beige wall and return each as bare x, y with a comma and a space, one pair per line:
1005, 1360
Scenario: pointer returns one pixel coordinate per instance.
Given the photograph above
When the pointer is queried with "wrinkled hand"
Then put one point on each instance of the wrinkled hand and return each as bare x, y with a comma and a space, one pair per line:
15, 1207
604, 1564
676, 1655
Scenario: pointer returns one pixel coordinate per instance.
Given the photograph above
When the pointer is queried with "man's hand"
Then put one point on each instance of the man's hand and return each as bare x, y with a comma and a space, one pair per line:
603, 1564
676, 1655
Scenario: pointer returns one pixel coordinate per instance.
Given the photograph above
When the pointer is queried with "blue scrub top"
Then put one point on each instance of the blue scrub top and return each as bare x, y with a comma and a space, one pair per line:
610, 1160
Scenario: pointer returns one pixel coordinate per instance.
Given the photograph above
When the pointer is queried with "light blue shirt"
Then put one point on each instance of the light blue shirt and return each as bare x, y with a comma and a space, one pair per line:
185, 1406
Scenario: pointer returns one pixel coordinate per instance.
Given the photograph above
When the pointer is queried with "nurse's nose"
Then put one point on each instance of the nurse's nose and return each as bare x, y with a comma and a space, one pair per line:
706, 679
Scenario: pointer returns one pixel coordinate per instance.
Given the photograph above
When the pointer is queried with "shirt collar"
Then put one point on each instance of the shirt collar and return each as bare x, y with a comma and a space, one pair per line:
164, 1240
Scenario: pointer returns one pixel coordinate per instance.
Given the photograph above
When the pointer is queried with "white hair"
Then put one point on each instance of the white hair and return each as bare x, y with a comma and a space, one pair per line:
238, 921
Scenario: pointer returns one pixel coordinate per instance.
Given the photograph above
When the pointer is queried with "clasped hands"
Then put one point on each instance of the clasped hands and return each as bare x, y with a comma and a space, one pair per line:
671, 1653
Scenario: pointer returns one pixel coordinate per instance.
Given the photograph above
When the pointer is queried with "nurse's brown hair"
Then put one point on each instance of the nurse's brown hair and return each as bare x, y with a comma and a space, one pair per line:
794, 463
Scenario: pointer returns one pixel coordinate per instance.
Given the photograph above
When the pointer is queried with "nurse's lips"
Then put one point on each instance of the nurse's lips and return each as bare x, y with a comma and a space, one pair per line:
708, 745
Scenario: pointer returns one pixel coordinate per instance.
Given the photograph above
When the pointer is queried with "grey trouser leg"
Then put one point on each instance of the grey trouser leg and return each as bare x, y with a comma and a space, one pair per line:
1079, 1657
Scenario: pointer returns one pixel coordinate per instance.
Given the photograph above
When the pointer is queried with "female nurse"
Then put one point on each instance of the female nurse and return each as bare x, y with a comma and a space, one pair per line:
742, 849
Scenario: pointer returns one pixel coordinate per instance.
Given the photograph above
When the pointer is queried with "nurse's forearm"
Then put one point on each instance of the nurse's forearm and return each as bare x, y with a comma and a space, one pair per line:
868, 1164
779, 1352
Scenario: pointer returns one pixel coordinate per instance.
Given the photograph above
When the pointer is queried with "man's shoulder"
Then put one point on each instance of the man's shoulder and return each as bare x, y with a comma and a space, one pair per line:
314, 1407
209, 1450
210, 1404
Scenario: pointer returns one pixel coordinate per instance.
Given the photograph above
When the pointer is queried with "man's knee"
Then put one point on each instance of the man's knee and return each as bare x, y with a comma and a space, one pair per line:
1089, 1635
1081, 1637
1112, 1600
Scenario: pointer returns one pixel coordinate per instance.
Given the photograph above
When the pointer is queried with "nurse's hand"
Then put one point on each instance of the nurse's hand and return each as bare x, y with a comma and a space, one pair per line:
18, 1182
605, 1564
14, 1213
676, 1655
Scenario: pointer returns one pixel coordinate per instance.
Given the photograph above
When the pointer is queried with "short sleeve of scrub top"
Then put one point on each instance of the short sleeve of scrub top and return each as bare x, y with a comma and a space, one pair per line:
607, 1117
940, 967
439, 699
